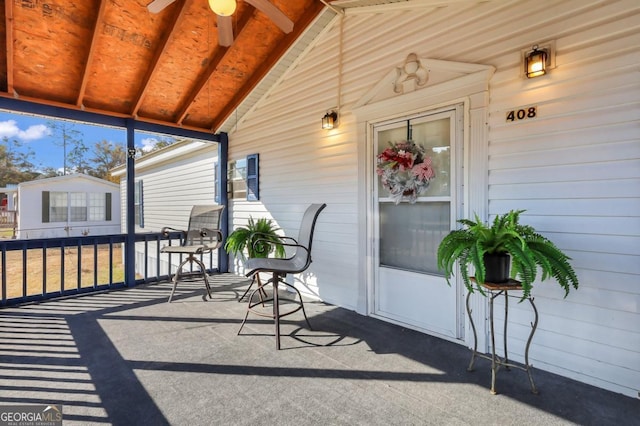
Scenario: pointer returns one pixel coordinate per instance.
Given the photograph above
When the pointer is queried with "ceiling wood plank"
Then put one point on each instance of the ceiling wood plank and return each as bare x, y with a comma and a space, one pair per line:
301, 25
170, 72
8, 10
94, 36
213, 64
170, 34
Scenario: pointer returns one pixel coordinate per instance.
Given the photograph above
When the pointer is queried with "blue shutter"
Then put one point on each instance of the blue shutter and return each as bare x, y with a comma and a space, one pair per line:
253, 175
139, 204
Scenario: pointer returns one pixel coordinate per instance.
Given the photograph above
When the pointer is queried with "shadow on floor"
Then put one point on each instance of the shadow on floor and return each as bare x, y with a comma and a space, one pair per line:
128, 357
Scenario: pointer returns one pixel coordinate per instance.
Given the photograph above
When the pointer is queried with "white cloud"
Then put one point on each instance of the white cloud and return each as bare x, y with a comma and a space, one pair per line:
34, 132
10, 129
148, 144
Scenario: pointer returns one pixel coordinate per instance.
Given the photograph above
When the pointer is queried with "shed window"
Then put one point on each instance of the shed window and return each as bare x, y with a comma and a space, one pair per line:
78, 206
60, 206
97, 206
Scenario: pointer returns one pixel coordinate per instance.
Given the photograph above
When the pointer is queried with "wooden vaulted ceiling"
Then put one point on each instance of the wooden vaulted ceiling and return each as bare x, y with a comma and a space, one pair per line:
114, 57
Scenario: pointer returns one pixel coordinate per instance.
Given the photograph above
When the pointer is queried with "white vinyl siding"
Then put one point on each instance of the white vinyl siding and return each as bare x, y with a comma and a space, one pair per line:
170, 191
575, 167
175, 180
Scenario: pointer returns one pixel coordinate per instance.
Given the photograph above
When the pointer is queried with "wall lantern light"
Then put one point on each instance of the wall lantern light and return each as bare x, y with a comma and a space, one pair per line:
223, 7
535, 62
330, 120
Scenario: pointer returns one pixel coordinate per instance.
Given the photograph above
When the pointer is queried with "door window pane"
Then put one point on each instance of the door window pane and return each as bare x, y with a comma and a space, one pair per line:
434, 136
410, 235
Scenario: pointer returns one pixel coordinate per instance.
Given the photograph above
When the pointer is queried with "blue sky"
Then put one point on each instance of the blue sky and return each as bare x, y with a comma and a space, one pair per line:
34, 133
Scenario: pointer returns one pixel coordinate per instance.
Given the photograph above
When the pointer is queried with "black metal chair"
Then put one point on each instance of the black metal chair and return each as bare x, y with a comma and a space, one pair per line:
279, 268
202, 236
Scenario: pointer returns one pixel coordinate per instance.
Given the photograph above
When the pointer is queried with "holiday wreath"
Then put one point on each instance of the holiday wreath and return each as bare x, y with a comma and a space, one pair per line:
405, 170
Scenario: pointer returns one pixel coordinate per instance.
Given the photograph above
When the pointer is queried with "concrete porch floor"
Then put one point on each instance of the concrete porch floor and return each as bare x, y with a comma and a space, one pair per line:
129, 358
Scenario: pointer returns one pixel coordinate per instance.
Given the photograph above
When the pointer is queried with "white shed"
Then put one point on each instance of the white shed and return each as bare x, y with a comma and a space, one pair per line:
68, 206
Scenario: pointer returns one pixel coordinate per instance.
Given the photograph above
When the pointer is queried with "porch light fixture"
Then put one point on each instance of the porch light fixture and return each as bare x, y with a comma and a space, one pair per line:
535, 62
223, 7
330, 120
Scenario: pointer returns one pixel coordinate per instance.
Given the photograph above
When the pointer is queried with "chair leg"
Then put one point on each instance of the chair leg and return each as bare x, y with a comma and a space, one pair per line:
255, 279
204, 276
275, 280
176, 277
301, 303
276, 308
175, 284
260, 291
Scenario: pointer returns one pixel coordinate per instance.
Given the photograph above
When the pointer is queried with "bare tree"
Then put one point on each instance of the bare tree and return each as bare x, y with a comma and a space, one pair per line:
70, 139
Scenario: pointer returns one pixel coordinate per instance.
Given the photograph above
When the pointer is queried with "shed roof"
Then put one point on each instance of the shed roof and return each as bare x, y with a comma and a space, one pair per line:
70, 177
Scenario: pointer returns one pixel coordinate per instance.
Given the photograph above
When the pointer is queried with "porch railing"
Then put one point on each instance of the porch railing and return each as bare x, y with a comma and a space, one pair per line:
38, 269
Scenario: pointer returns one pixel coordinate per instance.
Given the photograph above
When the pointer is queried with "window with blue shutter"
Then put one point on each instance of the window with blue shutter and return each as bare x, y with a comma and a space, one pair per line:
253, 175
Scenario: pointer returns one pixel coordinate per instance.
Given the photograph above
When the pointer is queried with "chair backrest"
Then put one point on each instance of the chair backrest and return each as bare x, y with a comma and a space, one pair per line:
205, 217
302, 258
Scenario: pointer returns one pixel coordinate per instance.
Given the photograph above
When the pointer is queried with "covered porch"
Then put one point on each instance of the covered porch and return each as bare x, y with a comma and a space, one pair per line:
128, 357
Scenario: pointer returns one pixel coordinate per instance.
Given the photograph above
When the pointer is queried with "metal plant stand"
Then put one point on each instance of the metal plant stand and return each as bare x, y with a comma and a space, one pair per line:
495, 290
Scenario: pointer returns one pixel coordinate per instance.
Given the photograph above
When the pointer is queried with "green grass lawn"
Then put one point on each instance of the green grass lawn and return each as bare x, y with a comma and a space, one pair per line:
6, 233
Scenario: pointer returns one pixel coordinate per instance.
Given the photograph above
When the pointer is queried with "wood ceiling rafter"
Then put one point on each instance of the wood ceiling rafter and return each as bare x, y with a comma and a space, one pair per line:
153, 66
214, 61
92, 49
63, 55
8, 11
301, 25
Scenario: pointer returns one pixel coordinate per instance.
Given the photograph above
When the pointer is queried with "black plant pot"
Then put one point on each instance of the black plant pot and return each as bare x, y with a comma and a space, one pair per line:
496, 267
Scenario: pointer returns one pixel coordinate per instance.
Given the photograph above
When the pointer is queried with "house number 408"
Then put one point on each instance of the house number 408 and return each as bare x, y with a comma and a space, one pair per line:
522, 114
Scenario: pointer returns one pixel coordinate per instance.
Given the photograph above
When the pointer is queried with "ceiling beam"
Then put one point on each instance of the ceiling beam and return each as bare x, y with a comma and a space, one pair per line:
153, 65
214, 61
8, 12
94, 115
301, 25
94, 37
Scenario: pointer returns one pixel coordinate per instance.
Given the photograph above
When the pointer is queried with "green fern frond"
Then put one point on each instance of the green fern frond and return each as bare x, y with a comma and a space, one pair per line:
528, 249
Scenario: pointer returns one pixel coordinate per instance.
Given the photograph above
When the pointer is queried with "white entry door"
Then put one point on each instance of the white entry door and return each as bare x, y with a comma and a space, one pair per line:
408, 288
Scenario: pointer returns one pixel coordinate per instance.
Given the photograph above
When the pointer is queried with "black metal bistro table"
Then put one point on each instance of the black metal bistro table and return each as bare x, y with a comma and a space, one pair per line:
495, 290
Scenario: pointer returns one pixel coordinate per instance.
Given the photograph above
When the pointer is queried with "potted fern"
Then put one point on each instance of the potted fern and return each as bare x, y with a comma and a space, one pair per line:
506, 249
257, 239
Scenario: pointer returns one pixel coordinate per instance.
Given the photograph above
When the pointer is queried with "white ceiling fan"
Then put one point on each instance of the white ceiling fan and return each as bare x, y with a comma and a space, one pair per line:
225, 8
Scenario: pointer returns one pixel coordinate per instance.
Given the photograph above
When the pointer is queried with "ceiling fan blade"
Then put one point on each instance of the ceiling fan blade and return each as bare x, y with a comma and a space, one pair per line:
157, 6
225, 30
275, 14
